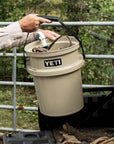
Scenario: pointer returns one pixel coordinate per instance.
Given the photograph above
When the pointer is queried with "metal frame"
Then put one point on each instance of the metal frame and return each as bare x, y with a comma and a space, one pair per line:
14, 83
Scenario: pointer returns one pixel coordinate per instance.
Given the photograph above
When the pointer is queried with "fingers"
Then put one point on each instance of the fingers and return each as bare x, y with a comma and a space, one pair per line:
50, 34
54, 34
39, 20
43, 20
31, 22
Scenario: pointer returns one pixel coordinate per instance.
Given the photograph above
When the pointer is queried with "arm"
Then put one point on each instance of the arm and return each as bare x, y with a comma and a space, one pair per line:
12, 35
15, 34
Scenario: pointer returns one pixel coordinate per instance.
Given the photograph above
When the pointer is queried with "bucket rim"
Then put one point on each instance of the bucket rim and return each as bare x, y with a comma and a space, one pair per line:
50, 53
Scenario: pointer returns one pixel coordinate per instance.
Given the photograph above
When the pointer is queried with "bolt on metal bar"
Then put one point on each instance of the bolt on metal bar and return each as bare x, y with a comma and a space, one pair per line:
18, 107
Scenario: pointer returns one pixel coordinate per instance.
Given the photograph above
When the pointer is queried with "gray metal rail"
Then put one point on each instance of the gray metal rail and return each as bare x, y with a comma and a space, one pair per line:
14, 83
94, 23
87, 56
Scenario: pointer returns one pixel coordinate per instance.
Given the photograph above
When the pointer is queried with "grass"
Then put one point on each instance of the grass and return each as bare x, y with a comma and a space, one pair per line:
24, 97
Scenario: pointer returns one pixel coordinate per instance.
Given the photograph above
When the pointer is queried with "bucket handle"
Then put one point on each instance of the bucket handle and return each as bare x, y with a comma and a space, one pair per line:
52, 18
70, 42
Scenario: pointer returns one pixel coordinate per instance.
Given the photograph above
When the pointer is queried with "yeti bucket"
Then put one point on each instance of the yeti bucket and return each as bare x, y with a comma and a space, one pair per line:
57, 76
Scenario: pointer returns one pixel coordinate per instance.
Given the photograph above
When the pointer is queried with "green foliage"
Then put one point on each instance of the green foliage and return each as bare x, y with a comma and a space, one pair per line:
24, 97
94, 71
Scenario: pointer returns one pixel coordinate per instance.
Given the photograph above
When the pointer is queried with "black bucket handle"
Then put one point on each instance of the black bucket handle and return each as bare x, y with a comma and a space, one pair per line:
53, 18
70, 42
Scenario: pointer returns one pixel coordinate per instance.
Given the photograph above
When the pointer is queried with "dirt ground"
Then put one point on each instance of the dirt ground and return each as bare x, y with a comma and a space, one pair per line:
91, 135
99, 130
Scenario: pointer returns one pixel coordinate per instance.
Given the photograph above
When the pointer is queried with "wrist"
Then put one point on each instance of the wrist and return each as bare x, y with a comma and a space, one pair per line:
21, 25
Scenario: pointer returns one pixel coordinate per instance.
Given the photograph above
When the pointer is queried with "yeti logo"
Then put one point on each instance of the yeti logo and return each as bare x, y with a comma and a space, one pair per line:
53, 62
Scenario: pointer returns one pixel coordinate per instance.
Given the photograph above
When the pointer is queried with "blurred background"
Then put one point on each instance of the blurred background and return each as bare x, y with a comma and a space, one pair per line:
95, 71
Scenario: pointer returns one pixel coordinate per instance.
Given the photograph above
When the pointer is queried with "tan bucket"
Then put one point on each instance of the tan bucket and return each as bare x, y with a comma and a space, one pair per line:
57, 76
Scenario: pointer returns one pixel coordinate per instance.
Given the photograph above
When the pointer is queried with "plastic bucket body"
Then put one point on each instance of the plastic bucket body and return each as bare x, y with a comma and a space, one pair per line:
57, 77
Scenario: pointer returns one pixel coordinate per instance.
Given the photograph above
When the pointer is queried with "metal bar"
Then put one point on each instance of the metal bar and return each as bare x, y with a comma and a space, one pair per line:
73, 23
89, 56
18, 107
85, 86
96, 35
97, 88
14, 83
17, 130
94, 95
100, 56
99, 104
113, 70
11, 54
17, 83
14, 90
5, 23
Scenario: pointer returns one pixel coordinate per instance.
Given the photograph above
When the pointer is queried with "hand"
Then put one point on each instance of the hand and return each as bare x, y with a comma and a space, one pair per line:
31, 22
50, 34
